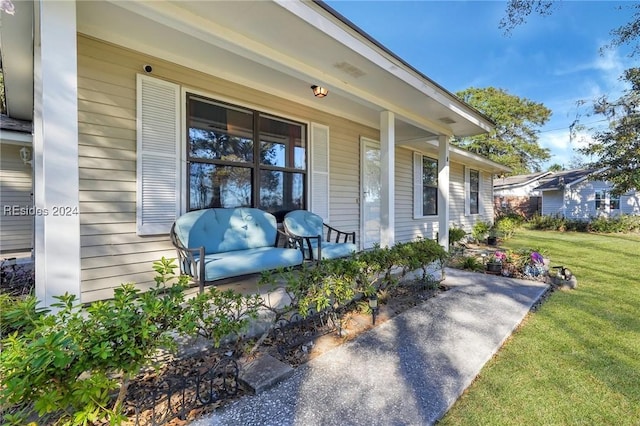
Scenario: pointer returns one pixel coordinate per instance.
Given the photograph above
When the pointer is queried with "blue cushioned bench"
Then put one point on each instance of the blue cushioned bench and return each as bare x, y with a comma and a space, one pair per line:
308, 231
218, 243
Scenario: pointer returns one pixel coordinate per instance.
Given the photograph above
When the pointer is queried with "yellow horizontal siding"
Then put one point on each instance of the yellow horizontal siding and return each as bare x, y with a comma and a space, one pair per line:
16, 232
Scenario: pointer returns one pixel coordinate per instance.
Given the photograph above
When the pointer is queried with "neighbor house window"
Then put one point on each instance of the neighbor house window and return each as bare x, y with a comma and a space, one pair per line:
238, 157
474, 191
429, 186
614, 202
600, 200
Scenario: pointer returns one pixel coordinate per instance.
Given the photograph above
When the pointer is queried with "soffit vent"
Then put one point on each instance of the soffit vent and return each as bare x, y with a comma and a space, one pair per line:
352, 70
447, 120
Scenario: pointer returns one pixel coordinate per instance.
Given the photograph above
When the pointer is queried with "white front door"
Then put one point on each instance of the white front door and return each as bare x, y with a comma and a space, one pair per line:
370, 192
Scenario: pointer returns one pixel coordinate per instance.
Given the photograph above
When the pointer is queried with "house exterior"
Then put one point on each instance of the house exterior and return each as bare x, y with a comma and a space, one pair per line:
145, 110
573, 194
519, 193
16, 229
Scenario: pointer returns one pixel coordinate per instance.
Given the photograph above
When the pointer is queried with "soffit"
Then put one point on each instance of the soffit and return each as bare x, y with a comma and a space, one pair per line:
264, 45
16, 47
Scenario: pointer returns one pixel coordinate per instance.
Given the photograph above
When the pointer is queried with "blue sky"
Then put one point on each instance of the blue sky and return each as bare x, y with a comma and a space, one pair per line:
555, 60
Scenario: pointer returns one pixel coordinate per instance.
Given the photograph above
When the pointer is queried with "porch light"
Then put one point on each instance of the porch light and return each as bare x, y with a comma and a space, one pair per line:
319, 92
373, 304
25, 155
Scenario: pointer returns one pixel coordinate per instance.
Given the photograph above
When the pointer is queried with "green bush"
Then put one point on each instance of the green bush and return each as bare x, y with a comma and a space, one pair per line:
65, 366
216, 315
480, 230
456, 235
602, 224
506, 226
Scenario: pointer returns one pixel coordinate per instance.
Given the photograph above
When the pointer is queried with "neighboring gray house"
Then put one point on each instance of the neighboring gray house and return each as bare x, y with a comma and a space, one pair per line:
519, 194
573, 195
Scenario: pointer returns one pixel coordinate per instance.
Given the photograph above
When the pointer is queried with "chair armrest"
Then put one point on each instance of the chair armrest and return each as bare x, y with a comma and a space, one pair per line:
340, 234
299, 241
187, 260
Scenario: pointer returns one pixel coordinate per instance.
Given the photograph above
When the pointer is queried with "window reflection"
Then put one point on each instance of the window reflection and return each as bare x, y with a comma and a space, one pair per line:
219, 186
227, 169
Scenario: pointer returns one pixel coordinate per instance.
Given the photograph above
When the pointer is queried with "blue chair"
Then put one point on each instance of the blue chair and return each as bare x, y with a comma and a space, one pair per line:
307, 230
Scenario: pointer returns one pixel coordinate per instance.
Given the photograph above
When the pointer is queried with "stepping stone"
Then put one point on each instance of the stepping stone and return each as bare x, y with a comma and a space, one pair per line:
263, 372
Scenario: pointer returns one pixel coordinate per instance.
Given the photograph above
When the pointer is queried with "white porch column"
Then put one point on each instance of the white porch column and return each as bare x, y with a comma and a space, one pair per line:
443, 191
387, 178
55, 151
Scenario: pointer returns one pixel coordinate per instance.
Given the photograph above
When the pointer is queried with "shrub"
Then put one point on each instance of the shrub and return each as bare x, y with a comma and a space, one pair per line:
456, 235
480, 230
506, 226
64, 366
216, 315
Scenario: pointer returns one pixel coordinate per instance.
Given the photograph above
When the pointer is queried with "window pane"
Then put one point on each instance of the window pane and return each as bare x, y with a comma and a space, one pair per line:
218, 132
429, 171
273, 154
281, 191
429, 201
473, 203
614, 202
599, 200
282, 143
474, 180
218, 186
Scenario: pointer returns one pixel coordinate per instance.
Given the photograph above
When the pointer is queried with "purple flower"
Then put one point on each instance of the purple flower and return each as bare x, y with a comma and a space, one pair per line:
537, 257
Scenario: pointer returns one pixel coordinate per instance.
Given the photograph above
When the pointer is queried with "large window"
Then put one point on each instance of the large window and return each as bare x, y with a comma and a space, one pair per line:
429, 186
474, 191
240, 157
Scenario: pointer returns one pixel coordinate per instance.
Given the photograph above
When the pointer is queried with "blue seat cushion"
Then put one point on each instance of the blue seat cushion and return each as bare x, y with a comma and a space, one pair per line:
250, 261
334, 250
223, 230
303, 223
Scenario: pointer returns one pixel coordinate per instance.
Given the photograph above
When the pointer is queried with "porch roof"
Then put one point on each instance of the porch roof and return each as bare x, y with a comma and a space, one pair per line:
282, 48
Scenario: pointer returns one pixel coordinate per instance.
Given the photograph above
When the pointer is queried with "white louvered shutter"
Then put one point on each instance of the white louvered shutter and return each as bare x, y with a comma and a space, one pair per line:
320, 170
158, 153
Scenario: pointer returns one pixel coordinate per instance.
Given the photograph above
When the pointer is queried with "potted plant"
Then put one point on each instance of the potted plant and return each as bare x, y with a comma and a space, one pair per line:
492, 239
494, 262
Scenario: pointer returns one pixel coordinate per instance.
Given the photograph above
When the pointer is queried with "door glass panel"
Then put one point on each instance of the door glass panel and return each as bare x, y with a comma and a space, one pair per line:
371, 186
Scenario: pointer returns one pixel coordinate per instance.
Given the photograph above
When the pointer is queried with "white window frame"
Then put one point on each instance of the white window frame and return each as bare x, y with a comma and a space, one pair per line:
467, 191
418, 202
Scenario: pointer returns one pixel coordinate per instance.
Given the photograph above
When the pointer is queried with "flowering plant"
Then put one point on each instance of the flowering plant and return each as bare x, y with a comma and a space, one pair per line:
536, 257
498, 257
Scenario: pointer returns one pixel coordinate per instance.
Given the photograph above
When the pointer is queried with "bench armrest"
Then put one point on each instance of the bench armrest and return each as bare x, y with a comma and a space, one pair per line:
340, 234
187, 260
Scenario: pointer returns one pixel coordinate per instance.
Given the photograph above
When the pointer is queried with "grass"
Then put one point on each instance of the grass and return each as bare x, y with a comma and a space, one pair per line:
577, 359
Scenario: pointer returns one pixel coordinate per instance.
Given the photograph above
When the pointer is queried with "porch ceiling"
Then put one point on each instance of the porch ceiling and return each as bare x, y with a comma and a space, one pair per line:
16, 48
283, 49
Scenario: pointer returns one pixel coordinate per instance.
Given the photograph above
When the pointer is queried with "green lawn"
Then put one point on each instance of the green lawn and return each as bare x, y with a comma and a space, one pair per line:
577, 359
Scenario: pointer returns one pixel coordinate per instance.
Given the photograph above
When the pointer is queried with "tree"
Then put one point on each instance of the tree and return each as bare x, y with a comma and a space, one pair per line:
514, 141
555, 168
617, 149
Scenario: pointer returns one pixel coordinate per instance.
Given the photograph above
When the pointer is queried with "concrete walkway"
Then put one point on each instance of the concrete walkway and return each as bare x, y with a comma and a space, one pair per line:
407, 371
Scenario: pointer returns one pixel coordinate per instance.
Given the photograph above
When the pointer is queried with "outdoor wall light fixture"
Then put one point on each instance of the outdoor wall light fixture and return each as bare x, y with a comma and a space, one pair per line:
319, 92
373, 304
25, 155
